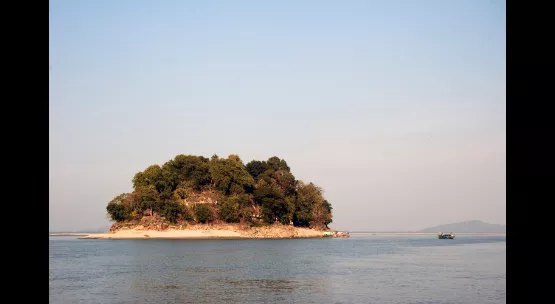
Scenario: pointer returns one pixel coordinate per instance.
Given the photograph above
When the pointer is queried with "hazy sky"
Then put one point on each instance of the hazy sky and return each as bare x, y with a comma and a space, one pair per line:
395, 108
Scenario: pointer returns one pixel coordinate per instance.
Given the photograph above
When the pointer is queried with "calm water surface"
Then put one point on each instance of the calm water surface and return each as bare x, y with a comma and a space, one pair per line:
365, 268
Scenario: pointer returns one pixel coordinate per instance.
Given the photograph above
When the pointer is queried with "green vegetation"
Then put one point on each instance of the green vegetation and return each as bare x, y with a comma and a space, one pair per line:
195, 189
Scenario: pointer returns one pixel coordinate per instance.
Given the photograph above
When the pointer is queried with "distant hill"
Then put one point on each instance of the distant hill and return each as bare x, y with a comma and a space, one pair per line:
469, 226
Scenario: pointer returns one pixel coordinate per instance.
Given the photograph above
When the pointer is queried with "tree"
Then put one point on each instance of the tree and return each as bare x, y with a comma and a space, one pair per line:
285, 181
326, 210
230, 176
120, 208
243, 200
241, 191
321, 215
235, 158
117, 212
255, 168
274, 209
274, 205
276, 164
154, 176
148, 198
188, 168
204, 213
308, 196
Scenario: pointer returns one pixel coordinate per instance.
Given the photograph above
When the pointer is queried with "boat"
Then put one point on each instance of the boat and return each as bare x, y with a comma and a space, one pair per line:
442, 235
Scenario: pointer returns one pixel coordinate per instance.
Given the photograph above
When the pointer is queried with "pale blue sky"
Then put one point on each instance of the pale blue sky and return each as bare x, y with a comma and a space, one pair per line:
395, 108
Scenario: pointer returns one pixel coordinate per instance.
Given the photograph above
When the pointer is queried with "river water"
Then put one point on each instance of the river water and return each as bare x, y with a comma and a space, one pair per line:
364, 268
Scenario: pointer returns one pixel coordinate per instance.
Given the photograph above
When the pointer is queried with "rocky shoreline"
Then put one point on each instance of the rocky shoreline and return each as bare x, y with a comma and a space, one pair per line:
205, 231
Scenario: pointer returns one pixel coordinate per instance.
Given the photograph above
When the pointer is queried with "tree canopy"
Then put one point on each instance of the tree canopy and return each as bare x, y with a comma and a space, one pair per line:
197, 189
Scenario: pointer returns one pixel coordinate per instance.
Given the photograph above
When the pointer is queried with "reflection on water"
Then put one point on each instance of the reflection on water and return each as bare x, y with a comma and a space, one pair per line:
362, 269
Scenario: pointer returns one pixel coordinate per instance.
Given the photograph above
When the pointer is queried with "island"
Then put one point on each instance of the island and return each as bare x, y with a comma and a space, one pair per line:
191, 197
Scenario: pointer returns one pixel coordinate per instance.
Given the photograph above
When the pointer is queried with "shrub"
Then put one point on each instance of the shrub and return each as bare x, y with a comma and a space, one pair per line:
247, 214
204, 213
229, 212
187, 214
171, 211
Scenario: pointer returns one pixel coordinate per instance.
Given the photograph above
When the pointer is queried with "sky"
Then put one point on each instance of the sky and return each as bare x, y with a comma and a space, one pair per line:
395, 108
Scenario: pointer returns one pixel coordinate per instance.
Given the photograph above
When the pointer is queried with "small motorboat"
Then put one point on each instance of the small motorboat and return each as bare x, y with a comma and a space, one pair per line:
442, 235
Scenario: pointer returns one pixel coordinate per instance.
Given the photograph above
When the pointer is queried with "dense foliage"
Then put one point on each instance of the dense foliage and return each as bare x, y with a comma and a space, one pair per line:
192, 188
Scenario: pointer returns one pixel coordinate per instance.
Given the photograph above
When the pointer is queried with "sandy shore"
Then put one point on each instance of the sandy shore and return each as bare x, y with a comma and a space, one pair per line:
199, 233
